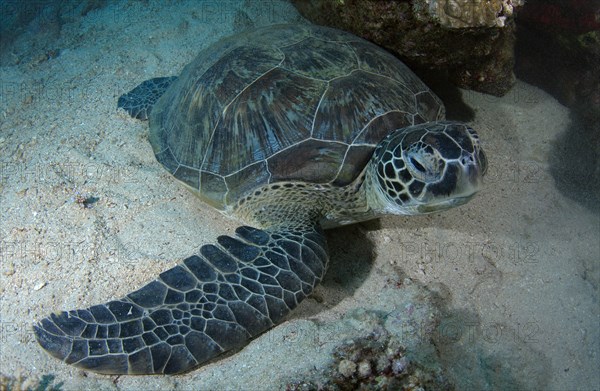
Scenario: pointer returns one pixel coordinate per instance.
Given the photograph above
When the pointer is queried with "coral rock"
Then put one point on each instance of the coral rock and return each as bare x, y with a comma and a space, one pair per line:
467, 13
469, 42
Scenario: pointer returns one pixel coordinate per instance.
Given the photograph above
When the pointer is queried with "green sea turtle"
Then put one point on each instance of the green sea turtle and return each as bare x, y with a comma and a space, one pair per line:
290, 129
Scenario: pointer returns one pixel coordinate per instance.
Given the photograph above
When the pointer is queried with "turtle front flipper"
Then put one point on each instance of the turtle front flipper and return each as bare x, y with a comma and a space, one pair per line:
139, 101
210, 303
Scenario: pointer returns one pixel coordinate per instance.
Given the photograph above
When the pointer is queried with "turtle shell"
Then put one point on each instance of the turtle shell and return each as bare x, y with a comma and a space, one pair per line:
286, 102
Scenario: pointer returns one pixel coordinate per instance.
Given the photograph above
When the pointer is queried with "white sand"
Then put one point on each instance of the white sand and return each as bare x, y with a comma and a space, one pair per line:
515, 271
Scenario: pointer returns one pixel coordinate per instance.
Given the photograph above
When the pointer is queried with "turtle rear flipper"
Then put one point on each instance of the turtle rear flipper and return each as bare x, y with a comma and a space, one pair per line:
210, 303
139, 101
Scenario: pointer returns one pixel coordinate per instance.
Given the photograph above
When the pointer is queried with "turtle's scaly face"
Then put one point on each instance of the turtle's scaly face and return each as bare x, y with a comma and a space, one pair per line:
426, 168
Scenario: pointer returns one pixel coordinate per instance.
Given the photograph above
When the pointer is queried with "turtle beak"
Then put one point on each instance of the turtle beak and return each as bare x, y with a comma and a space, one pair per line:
443, 205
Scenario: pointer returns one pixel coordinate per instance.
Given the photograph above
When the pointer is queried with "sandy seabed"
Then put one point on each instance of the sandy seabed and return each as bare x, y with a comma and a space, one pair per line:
515, 272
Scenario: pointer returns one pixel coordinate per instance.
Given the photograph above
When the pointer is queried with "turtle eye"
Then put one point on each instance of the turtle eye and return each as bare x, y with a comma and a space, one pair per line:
424, 163
482, 159
415, 163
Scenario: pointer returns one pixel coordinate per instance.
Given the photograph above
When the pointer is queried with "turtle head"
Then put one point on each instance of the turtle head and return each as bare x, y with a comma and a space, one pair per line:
426, 168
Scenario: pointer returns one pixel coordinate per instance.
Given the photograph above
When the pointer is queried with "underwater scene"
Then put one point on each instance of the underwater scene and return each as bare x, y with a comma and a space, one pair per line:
299, 195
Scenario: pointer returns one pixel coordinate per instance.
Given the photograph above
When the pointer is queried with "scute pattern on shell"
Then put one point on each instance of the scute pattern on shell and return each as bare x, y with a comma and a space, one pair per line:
281, 103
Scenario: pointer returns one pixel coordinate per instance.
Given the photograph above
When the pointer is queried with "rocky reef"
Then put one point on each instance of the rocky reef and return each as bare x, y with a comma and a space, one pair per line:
558, 50
466, 13
380, 356
468, 43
